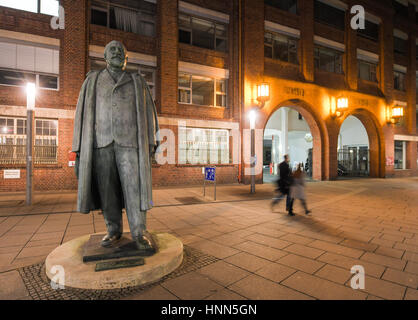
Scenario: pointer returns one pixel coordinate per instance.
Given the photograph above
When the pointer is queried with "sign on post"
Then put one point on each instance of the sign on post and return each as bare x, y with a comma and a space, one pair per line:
210, 175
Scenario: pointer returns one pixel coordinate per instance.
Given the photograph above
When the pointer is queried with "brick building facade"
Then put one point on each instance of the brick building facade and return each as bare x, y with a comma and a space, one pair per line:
182, 60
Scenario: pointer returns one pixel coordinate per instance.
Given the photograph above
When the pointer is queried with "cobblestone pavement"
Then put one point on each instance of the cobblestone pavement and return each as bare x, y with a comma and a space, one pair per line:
259, 254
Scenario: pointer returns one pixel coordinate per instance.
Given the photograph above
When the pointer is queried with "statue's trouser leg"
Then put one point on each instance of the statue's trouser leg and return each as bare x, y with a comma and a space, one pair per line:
128, 168
107, 178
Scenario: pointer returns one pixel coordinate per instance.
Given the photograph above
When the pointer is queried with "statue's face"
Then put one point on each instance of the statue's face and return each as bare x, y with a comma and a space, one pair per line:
115, 55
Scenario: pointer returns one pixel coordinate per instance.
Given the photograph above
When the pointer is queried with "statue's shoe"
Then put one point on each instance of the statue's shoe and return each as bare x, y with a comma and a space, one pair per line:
110, 240
143, 243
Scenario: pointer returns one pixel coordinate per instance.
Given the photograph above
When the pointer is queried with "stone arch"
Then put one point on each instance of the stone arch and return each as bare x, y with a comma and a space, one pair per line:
376, 140
318, 131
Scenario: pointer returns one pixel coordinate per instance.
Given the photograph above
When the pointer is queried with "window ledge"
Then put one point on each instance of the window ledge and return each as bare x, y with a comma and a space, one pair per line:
281, 62
35, 166
198, 105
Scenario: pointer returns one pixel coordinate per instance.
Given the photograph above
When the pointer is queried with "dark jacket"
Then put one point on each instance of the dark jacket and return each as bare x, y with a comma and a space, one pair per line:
285, 179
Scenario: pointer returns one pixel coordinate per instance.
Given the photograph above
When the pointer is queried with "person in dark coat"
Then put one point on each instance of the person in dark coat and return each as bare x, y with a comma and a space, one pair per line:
283, 185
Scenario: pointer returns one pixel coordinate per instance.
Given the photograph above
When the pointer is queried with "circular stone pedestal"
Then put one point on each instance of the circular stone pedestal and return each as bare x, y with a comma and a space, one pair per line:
82, 275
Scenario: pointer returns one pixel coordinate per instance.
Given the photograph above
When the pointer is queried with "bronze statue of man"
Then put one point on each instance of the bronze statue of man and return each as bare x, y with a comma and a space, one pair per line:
115, 137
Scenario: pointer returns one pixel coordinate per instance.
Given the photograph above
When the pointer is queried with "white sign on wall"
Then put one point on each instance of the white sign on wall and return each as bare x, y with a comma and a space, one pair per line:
11, 174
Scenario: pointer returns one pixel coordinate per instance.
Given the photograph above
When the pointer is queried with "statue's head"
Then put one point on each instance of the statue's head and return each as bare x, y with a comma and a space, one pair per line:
116, 55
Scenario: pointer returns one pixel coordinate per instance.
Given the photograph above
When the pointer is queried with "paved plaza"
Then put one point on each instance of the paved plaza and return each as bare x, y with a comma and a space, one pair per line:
251, 252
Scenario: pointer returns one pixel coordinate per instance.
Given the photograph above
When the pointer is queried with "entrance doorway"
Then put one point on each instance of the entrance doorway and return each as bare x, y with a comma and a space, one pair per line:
286, 132
353, 149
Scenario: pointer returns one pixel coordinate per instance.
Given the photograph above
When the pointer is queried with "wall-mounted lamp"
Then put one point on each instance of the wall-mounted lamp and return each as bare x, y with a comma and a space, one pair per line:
263, 93
338, 106
394, 114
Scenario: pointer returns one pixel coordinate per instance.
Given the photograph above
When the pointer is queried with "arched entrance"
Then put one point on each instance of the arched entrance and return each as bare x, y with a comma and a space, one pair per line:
359, 150
291, 128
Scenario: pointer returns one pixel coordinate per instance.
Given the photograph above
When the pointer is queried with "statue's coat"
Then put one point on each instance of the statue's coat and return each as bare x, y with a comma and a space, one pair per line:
147, 123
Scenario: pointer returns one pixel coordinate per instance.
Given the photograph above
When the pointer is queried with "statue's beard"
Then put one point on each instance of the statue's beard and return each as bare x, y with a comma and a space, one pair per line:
116, 63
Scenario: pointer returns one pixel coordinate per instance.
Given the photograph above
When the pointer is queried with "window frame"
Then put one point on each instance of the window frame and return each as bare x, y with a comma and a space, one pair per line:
38, 8
289, 39
37, 74
319, 48
403, 82
187, 146
214, 23
215, 92
369, 64
107, 5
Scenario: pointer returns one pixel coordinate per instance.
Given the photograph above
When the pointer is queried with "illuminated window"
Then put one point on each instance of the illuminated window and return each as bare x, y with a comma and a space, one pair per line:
200, 90
367, 70
49, 7
203, 146
400, 154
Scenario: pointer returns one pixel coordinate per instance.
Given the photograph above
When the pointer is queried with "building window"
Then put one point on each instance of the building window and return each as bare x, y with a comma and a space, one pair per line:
21, 78
286, 5
400, 154
205, 91
399, 80
22, 63
327, 59
280, 47
13, 141
138, 18
203, 146
329, 15
367, 70
371, 31
49, 7
400, 45
203, 33
146, 71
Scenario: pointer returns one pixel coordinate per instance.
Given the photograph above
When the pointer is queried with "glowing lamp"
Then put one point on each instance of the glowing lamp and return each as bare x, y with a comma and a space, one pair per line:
263, 93
30, 95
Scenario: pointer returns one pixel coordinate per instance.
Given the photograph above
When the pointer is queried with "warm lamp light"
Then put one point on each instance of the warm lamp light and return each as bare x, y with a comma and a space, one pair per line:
396, 114
263, 93
252, 116
338, 106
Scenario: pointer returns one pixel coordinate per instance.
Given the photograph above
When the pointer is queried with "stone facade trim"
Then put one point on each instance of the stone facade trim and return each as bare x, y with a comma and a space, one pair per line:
192, 9
279, 28
134, 57
202, 70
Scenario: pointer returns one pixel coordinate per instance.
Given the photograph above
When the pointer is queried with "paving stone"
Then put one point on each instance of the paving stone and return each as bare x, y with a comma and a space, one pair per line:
333, 273
331, 247
297, 238
225, 295
155, 293
223, 273
268, 241
260, 250
12, 286
383, 242
255, 288
275, 272
301, 263
304, 251
360, 245
384, 260
192, 286
228, 240
406, 247
401, 277
36, 251
411, 294
383, 289
214, 249
410, 256
372, 269
321, 288
390, 252
247, 261
411, 267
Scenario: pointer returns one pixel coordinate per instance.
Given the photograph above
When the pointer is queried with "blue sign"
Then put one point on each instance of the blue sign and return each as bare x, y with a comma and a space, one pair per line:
210, 174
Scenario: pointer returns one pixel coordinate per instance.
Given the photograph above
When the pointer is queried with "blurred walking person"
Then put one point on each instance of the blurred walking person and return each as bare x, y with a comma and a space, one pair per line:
297, 189
283, 185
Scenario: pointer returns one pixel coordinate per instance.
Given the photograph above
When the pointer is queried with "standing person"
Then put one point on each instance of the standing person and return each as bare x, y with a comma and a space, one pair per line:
284, 183
297, 190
